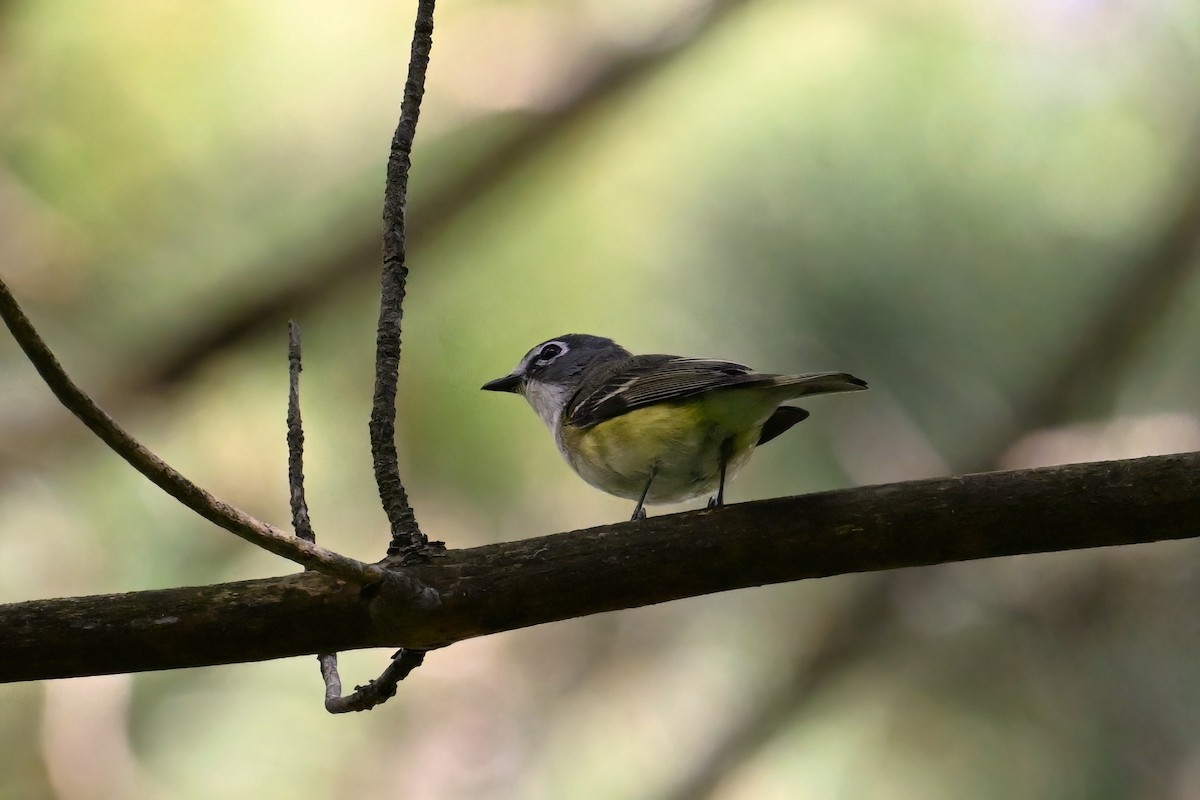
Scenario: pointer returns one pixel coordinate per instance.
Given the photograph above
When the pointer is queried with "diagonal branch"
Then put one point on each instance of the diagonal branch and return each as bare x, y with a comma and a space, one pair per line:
501, 587
405, 531
162, 474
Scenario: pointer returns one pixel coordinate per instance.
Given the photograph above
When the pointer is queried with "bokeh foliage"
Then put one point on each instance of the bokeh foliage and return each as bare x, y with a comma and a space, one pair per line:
937, 196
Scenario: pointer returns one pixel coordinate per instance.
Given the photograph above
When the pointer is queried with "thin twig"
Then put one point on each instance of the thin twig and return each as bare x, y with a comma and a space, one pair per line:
406, 535
378, 691
301, 522
162, 474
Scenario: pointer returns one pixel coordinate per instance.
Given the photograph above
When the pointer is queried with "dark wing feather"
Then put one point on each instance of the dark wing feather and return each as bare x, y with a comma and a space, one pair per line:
645, 380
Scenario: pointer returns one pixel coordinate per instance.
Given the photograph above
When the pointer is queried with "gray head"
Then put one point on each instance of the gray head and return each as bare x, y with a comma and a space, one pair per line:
551, 372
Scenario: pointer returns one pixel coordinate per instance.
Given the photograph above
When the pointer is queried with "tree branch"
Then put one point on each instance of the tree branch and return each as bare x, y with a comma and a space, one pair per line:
500, 587
162, 474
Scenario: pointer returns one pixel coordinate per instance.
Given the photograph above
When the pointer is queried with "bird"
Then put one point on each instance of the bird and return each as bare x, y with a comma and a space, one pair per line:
657, 428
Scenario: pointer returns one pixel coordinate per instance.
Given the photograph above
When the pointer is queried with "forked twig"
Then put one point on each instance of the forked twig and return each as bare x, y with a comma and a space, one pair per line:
162, 474
404, 661
406, 535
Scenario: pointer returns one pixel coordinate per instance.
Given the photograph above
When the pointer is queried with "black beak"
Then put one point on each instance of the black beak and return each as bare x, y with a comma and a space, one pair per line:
509, 383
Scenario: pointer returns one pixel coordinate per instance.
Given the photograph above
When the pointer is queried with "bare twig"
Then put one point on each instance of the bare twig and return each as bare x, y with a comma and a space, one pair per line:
378, 691
162, 474
405, 532
301, 522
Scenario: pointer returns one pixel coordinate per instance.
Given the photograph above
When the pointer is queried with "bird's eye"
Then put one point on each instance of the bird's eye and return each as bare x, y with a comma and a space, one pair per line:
549, 352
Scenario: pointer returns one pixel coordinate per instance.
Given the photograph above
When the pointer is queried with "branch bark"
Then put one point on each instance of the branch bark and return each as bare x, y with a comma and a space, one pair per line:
501, 587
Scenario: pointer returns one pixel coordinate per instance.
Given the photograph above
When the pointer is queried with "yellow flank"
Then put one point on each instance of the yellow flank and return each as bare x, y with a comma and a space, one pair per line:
680, 441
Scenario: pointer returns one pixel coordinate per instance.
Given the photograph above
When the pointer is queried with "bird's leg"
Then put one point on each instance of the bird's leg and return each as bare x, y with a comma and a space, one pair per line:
719, 500
639, 512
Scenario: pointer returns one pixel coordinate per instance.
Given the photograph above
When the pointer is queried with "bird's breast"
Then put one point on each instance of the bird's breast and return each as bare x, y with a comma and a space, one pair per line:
680, 443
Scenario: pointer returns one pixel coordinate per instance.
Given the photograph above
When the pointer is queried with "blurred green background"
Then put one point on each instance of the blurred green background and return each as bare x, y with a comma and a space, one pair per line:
988, 210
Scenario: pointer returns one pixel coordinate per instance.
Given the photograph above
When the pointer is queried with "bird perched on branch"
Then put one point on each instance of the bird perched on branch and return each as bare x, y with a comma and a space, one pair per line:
657, 428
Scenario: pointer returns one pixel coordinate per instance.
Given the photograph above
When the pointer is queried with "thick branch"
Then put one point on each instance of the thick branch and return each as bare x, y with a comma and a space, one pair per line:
502, 587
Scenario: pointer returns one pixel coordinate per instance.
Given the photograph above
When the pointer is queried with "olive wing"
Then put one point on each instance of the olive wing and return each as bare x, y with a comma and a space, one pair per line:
645, 380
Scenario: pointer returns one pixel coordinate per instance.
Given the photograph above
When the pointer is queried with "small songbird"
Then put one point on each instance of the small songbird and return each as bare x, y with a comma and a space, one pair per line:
657, 428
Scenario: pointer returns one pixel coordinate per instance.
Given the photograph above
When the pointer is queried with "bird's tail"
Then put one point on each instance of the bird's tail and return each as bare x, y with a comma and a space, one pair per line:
819, 383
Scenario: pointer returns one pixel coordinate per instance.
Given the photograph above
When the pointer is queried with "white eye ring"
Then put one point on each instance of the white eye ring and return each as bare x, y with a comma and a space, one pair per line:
550, 351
